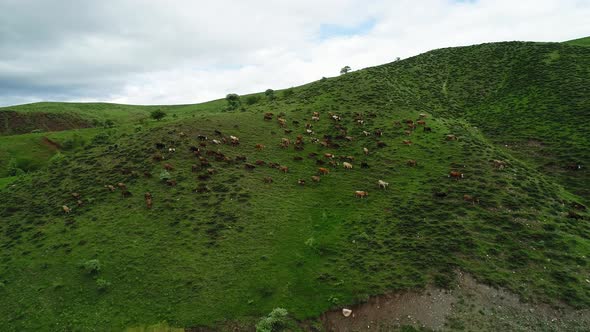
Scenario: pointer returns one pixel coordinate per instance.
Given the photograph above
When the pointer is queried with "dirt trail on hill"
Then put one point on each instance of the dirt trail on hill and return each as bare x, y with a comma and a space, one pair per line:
470, 306
14, 123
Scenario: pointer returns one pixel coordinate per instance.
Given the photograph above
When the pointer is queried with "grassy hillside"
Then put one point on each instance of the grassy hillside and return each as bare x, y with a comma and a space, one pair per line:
227, 246
579, 42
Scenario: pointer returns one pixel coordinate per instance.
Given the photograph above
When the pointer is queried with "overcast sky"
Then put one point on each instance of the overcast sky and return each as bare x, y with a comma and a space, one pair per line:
188, 51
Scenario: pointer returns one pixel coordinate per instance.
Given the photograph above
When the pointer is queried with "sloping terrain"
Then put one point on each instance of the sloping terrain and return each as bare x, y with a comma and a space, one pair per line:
223, 243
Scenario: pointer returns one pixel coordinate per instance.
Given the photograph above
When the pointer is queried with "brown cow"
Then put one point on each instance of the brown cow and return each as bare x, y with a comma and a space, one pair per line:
451, 137
260, 162
76, 196
407, 142
361, 194
421, 122
259, 147
267, 179
499, 164
168, 167
211, 171
66, 209
469, 198
282, 122
148, 200
328, 155
412, 163
284, 169
381, 144
171, 183
315, 178
268, 116
110, 187
323, 171
285, 142
122, 186
249, 166
408, 132
456, 175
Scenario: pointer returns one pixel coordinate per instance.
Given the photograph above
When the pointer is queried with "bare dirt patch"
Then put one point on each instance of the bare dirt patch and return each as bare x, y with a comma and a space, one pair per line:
470, 306
50, 144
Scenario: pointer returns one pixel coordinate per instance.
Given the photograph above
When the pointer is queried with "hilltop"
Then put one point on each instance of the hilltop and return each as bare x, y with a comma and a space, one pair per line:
222, 245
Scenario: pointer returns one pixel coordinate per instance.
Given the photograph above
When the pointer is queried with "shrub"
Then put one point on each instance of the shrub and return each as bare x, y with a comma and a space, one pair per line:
233, 101
288, 93
102, 285
165, 175
270, 94
157, 115
275, 321
100, 138
13, 168
251, 100
91, 266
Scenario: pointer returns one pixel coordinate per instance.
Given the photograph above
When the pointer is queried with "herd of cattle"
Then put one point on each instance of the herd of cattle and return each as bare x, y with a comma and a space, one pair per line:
329, 141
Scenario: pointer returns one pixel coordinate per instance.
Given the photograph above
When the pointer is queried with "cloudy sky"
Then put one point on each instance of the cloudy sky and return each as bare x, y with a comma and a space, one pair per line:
187, 51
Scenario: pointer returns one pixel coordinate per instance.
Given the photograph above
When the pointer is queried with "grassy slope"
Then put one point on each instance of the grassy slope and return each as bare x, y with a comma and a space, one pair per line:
246, 247
579, 42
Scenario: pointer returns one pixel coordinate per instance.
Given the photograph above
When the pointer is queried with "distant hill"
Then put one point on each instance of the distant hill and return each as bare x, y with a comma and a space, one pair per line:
497, 186
579, 42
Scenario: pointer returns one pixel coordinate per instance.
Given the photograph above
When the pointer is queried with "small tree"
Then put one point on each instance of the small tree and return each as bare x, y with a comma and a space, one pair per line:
157, 114
275, 321
91, 266
233, 101
270, 94
345, 70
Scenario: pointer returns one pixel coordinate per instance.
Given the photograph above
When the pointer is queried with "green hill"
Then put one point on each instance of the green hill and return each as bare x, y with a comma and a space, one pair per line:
221, 245
579, 42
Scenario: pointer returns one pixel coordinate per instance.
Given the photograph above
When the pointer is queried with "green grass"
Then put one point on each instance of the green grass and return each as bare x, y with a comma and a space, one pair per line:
579, 42
243, 247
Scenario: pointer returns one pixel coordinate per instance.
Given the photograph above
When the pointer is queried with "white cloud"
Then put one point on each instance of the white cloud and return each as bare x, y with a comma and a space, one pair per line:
154, 52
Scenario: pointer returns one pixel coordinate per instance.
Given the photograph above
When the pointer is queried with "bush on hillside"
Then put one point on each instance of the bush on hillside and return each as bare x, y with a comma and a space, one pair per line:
102, 285
233, 102
275, 321
270, 94
157, 115
251, 100
91, 266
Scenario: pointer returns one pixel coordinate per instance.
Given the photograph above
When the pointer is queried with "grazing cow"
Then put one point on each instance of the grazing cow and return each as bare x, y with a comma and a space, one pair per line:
320, 162
260, 162
110, 187
412, 163
316, 114
308, 125
288, 131
314, 140
122, 186
366, 133
421, 122
361, 194
378, 133
412, 125
267, 179
249, 166
407, 142
171, 150
456, 175
312, 155
194, 168
76, 196
328, 156
285, 142
348, 138
469, 198
422, 116
148, 200
499, 164
427, 129
268, 116
160, 146
361, 122
323, 171
157, 157
382, 184
336, 117
218, 133
66, 209
273, 165
216, 141
408, 132
126, 193
79, 203
574, 167
309, 131
366, 151
364, 165
408, 121
381, 144
168, 167
171, 183
234, 140
202, 137
284, 169
295, 122
297, 158
211, 171
282, 122
334, 163
397, 123
301, 182
451, 137
241, 158
347, 165
260, 147
315, 178
315, 118
349, 158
